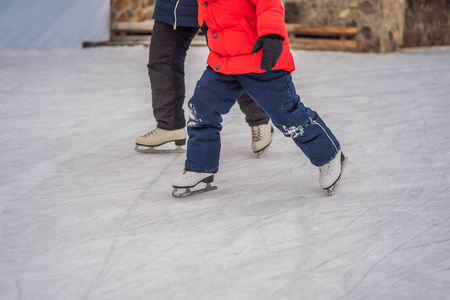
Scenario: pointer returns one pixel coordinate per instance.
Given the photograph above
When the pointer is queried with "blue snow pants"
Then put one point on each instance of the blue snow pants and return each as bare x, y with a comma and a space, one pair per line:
275, 93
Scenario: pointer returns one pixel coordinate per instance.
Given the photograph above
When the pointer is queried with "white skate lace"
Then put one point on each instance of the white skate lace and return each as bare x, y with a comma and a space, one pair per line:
257, 133
325, 169
153, 132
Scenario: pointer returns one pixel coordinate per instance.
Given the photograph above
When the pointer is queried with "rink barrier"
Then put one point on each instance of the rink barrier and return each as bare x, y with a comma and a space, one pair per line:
135, 33
301, 37
333, 38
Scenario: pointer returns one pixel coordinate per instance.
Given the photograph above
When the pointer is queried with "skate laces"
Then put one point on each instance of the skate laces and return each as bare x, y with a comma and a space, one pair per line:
153, 132
257, 133
325, 169
187, 174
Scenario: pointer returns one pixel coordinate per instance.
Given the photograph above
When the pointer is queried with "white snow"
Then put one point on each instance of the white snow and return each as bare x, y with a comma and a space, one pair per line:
293, 131
47, 24
83, 216
192, 117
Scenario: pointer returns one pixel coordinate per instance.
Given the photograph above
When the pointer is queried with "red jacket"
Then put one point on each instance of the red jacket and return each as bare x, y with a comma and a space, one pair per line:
234, 27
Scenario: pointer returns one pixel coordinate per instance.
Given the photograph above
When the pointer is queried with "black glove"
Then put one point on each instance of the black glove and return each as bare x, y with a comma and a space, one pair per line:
272, 46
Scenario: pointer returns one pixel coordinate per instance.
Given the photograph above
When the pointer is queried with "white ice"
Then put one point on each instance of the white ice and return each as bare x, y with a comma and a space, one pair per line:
83, 216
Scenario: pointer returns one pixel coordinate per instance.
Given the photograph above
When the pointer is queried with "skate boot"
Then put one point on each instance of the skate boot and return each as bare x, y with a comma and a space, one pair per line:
331, 173
158, 137
188, 180
261, 138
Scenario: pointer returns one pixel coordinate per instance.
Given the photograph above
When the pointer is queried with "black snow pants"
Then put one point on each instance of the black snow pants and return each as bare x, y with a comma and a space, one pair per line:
167, 56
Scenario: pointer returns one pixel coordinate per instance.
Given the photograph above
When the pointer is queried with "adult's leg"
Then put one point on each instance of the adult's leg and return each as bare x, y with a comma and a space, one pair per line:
167, 55
254, 115
275, 93
214, 96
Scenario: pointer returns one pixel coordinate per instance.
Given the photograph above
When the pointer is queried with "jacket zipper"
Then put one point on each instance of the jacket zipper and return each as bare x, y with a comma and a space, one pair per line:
175, 15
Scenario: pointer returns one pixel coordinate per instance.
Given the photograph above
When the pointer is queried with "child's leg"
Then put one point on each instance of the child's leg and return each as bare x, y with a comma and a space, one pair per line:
275, 93
214, 96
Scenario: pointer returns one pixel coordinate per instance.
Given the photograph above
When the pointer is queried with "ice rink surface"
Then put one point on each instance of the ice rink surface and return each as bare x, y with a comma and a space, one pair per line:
83, 216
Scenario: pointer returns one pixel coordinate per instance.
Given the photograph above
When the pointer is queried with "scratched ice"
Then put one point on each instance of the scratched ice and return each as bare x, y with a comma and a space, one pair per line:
83, 216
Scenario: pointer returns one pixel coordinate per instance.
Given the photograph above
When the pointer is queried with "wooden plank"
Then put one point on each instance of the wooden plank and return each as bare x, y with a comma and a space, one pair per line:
139, 33
322, 44
298, 29
133, 27
132, 39
108, 43
147, 26
199, 40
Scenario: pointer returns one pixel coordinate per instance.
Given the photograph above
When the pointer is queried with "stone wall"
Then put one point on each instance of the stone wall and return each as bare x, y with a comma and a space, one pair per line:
131, 10
383, 25
427, 23
379, 22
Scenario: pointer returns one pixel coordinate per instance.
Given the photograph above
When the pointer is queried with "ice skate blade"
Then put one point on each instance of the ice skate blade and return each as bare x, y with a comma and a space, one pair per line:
332, 189
187, 191
261, 153
147, 149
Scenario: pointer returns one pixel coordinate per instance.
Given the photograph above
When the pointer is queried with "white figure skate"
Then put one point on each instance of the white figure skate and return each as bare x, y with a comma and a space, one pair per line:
158, 137
261, 138
188, 180
331, 173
